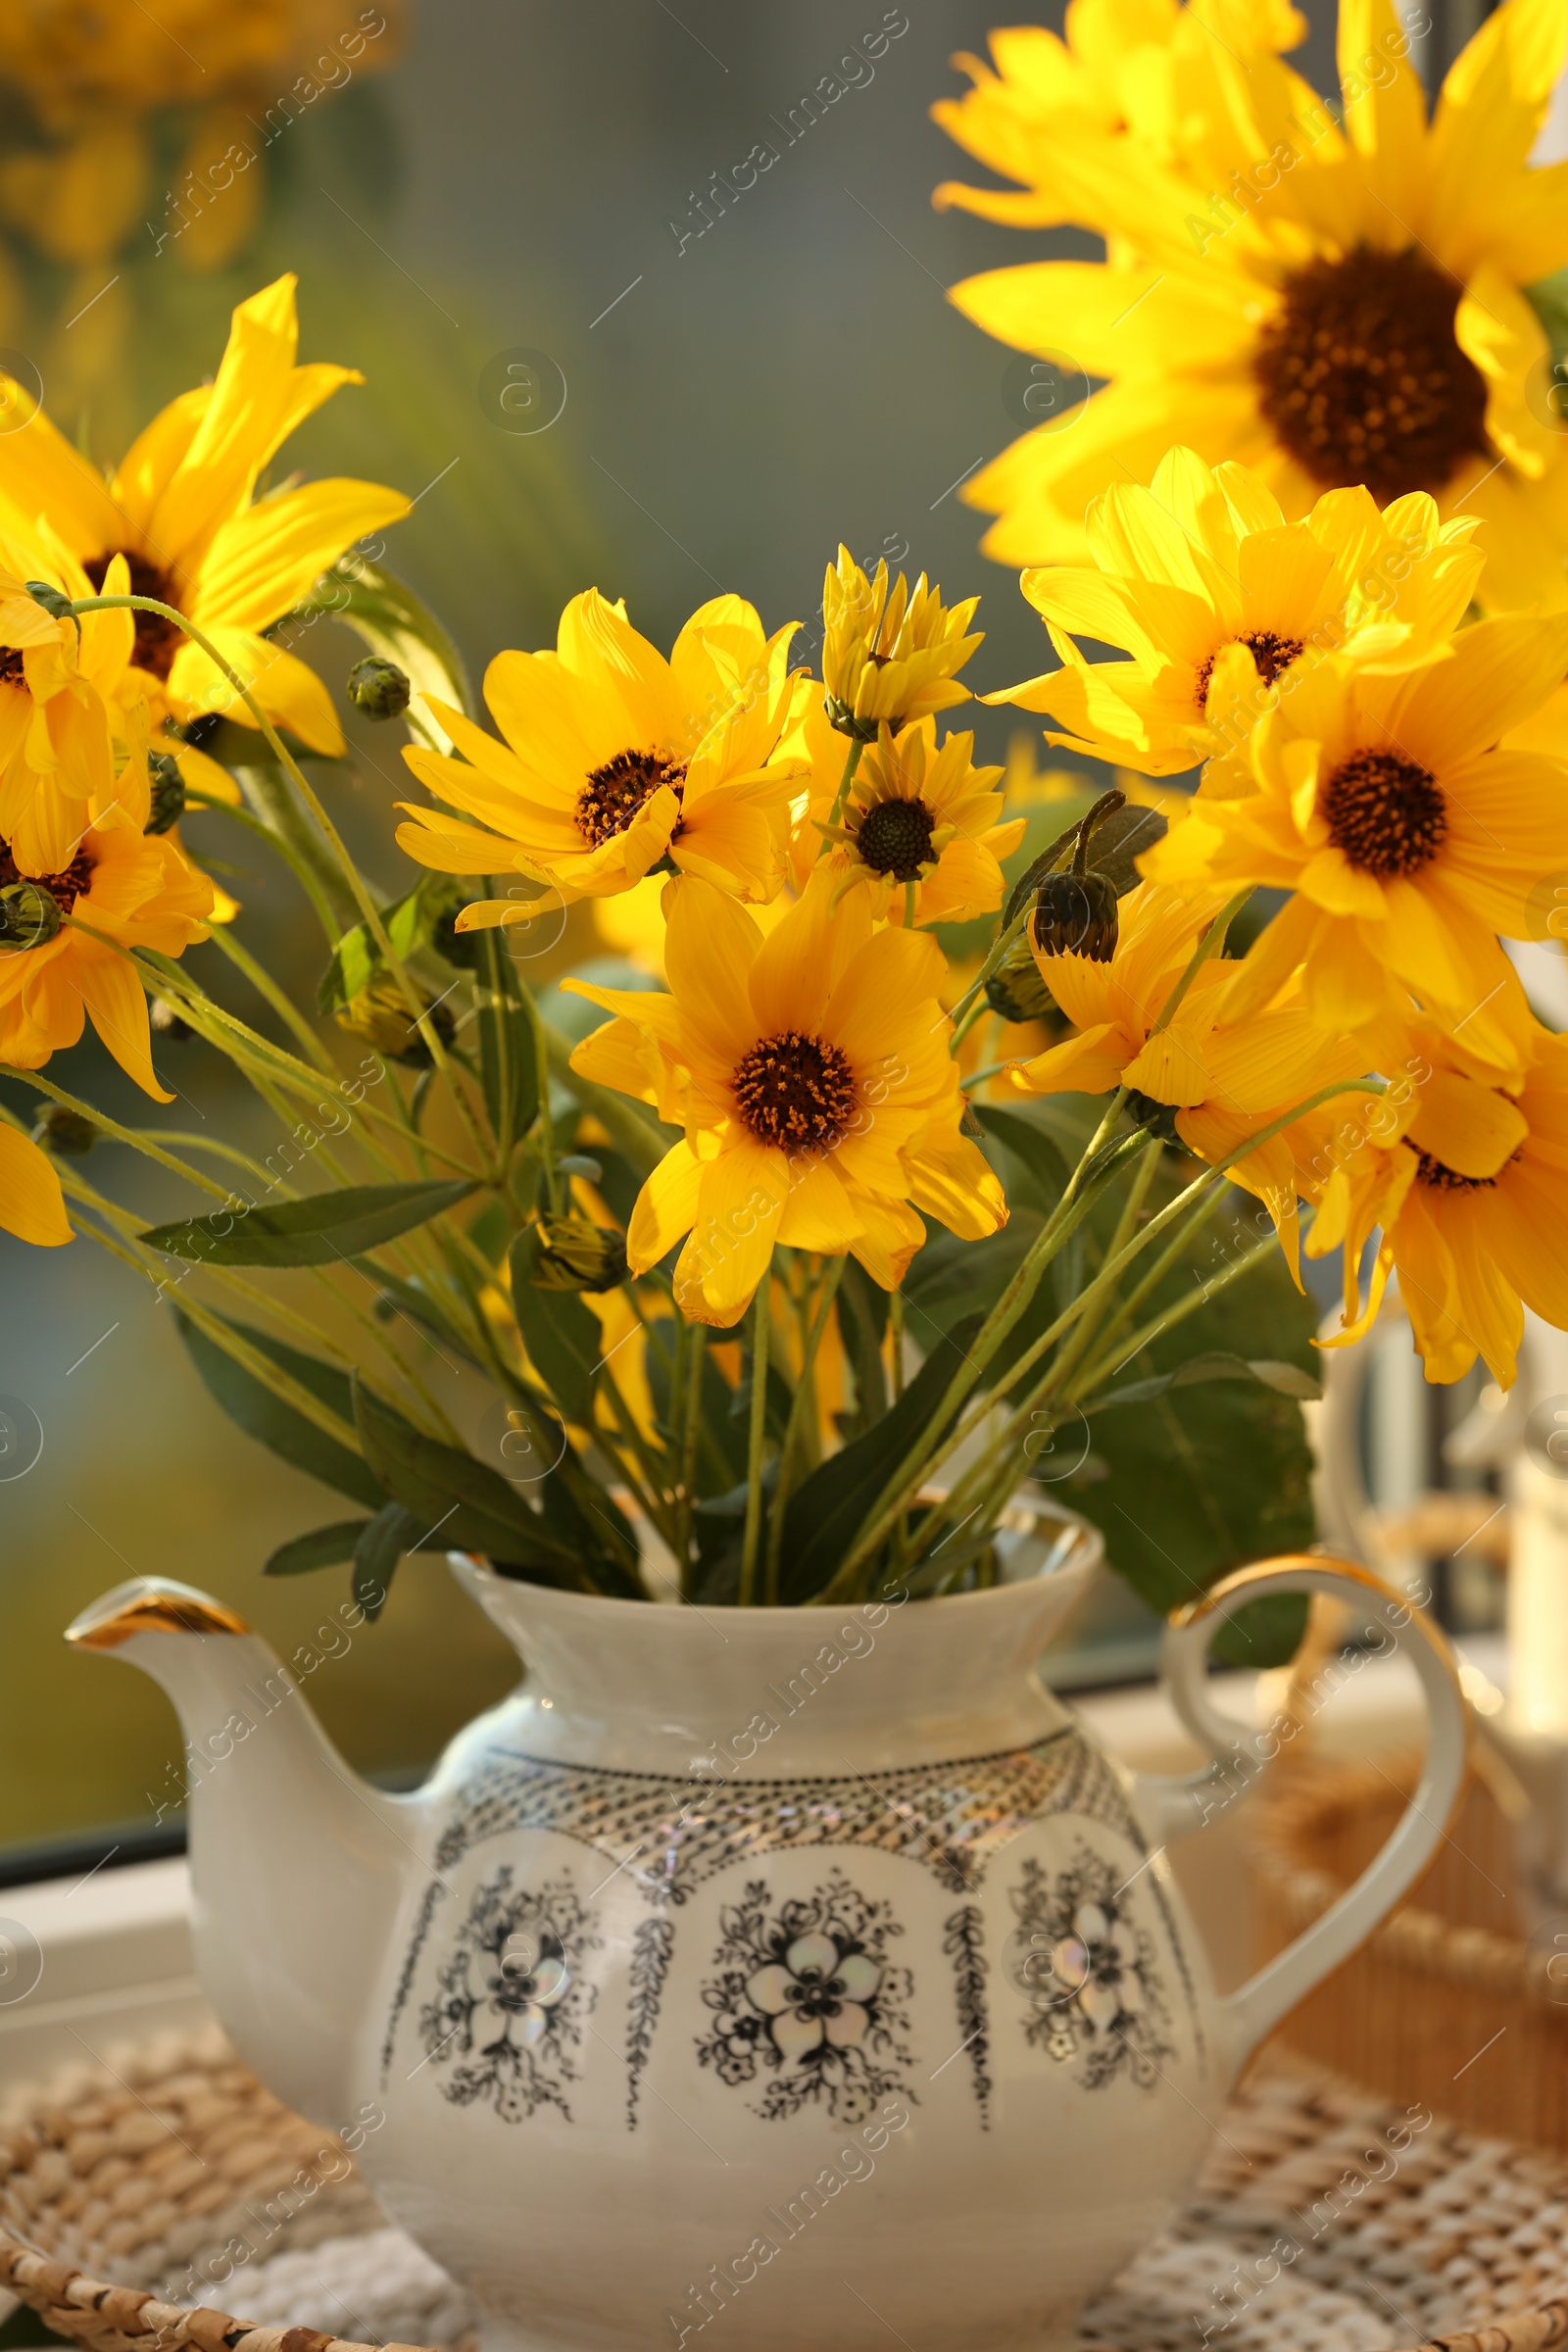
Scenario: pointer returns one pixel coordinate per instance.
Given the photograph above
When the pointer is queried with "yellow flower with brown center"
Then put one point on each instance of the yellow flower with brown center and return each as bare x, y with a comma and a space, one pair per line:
822, 1105
1464, 1179
890, 652
1216, 1077
918, 817
1410, 835
134, 891
614, 760
1223, 606
181, 509
1333, 305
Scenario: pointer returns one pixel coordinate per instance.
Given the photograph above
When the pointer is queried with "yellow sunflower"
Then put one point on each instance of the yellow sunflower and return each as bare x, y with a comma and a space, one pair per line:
918, 825
1218, 1078
137, 891
890, 652
811, 1071
181, 509
1142, 72
1222, 604
1334, 307
33, 1206
616, 759
62, 702
1410, 835
1466, 1180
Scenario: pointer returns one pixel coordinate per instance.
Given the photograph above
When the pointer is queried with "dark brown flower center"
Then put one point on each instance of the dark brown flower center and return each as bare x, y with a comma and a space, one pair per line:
895, 838
614, 793
1270, 655
1443, 1179
796, 1091
65, 888
158, 641
1361, 376
1384, 813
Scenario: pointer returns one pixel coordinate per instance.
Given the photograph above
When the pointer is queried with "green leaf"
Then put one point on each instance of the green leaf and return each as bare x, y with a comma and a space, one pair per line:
950, 1278
863, 1312
315, 1232
562, 1337
826, 1512
267, 1418
411, 924
382, 1542
448, 1492
508, 1057
322, 1548
393, 622
1026, 1139
1285, 1380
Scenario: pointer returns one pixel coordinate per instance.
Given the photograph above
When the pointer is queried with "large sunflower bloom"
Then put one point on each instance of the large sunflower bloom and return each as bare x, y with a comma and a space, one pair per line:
1332, 307
917, 815
1410, 835
616, 759
820, 1102
1143, 74
1466, 1180
135, 891
181, 509
1218, 1078
1217, 599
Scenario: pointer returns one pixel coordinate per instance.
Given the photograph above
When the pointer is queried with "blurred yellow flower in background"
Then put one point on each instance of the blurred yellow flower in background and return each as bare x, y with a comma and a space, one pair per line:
182, 511
616, 760
820, 1102
1332, 306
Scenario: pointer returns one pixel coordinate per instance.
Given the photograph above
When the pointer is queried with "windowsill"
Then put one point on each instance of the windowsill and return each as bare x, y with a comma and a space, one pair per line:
117, 1952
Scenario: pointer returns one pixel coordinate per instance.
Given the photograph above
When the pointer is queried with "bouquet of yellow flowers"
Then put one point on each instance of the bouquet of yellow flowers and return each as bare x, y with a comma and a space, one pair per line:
904, 1167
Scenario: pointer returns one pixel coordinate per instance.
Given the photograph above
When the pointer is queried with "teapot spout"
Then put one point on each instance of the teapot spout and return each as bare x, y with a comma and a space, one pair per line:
297, 1865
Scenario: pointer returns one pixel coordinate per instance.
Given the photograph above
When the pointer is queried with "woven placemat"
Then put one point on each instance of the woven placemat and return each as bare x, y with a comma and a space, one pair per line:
139, 2198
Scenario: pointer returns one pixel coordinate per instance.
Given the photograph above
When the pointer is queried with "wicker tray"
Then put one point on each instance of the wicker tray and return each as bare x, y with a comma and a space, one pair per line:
1448, 2003
1326, 2221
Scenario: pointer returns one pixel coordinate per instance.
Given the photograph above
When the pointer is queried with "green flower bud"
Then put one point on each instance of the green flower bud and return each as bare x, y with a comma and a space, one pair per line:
168, 792
378, 688
1155, 1118
576, 1254
65, 1131
1016, 990
380, 1014
1075, 915
29, 916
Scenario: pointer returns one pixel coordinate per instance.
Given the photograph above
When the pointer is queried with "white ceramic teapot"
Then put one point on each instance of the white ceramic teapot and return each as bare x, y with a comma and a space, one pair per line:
804, 1975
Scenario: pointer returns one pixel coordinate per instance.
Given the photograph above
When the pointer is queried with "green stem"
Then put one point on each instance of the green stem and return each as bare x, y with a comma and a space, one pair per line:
267, 987
300, 853
850, 764
1137, 1340
964, 1023
993, 1069
762, 1319
696, 1353
1212, 941
803, 1402
896, 1332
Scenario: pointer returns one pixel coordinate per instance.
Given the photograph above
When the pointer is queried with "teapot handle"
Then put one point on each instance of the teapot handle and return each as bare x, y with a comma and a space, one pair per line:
1176, 1807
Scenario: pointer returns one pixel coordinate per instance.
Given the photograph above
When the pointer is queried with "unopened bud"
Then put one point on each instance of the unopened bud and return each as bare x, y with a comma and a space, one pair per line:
378, 688
65, 1131
576, 1254
29, 916
167, 792
1155, 1118
1015, 989
380, 1014
1075, 915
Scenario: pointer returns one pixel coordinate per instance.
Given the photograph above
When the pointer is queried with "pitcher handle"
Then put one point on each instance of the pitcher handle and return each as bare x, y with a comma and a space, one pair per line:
1176, 1807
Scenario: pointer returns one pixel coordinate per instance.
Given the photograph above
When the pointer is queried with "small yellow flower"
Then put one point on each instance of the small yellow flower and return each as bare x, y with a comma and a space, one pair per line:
1223, 606
888, 654
1409, 832
62, 704
917, 814
811, 1072
138, 890
182, 512
1220, 1076
614, 760
1464, 1178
